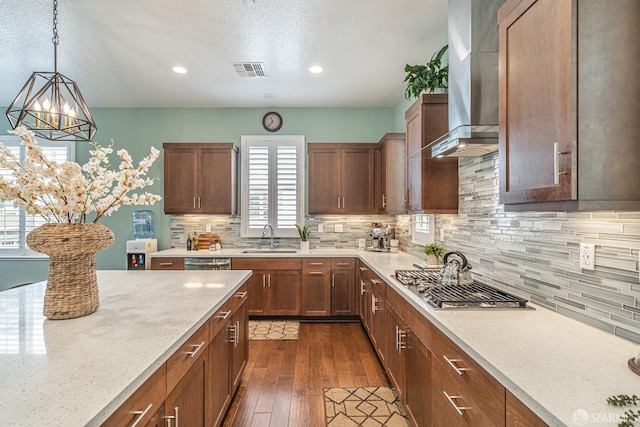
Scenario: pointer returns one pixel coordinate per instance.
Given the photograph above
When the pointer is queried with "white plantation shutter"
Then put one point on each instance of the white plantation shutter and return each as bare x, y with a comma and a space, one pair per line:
273, 184
423, 227
15, 224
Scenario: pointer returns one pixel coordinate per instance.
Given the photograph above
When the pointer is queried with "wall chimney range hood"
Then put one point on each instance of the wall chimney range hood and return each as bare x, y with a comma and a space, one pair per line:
473, 80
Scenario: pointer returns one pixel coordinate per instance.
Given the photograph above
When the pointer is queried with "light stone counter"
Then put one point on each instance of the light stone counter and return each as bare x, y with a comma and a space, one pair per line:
76, 372
562, 369
240, 253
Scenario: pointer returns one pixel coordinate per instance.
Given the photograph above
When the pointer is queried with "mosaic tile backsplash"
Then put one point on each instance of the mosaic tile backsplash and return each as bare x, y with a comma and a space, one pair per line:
533, 255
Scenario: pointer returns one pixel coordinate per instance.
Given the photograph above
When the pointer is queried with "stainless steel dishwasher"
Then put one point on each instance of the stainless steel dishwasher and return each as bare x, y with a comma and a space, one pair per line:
207, 263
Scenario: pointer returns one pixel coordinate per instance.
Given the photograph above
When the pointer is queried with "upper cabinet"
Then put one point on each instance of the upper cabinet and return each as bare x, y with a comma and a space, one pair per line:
432, 183
341, 178
200, 178
391, 174
569, 99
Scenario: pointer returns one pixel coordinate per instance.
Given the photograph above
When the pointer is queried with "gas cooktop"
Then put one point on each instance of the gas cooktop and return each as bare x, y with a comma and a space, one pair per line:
425, 283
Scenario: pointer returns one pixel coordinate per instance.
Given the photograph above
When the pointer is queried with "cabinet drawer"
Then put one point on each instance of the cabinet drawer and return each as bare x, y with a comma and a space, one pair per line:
480, 386
180, 362
343, 263
473, 405
266, 263
143, 404
174, 263
219, 318
239, 297
316, 263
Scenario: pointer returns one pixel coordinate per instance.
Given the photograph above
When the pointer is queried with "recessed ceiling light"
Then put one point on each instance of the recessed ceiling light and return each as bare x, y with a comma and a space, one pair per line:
269, 95
315, 69
179, 69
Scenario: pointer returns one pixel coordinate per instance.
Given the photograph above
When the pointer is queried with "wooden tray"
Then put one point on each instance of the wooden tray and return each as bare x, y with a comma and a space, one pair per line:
206, 240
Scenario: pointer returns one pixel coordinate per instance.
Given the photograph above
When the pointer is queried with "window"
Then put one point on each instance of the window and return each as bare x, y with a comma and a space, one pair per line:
422, 227
272, 184
15, 224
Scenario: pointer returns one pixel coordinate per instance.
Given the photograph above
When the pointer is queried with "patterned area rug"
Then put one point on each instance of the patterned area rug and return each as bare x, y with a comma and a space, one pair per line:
363, 406
273, 329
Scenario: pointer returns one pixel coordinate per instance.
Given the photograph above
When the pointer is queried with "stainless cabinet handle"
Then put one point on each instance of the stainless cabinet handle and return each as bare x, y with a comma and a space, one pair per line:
316, 263
197, 349
458, 370
264, 277
384, 202
237, 337
375, 281
343, 203
401, 335
194, 202
338, 202
199, 206
343, 264
364, 269
166, 264
241, 294
140, 415
173, 417
458, 409
269, 281
374, 301
362, 287
226, 314
556, 166
333, 280
232, 329
316, 273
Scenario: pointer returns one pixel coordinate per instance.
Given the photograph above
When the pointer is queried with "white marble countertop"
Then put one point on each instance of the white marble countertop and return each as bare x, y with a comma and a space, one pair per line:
562, 369
76, 372
240, 253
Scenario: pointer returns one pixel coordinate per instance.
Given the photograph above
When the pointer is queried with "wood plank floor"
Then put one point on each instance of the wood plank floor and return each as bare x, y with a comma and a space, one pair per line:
283, 381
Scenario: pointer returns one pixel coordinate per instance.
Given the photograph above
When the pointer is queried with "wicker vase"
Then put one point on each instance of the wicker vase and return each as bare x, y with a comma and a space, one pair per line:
72, 288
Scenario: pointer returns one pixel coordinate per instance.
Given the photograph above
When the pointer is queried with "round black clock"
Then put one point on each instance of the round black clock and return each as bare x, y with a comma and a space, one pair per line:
272, 121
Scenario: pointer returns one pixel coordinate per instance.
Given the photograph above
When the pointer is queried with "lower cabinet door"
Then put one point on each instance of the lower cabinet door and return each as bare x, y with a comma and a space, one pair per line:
343, 292
185, 405
316, 293
239, 345
219, 375
395, 331
284, 293
418, 381
257, 288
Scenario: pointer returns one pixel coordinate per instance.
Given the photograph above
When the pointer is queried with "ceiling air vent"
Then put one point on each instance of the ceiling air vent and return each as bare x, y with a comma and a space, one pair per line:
250, 69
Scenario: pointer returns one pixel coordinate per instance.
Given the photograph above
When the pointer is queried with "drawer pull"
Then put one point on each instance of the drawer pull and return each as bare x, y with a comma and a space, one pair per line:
343, 264
400, 334
316, 263
362, 284
458, 409
241, 294
333, 280
375, 281
166, 264
374, 301
173, 417
458, 370
316, 273
225, 315
140, 415
364, 269
197, 349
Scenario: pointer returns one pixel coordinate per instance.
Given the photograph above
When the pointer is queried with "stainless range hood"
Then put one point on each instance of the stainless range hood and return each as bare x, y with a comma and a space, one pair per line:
473, 80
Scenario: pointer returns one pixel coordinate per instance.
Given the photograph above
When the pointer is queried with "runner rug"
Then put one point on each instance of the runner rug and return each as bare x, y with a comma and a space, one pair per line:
273, 329
363, 406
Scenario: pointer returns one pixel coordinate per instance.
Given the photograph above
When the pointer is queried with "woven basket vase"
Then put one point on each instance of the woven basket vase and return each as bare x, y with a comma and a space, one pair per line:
72, 287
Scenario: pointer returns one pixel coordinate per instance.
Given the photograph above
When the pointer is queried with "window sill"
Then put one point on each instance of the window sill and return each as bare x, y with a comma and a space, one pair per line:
34, 257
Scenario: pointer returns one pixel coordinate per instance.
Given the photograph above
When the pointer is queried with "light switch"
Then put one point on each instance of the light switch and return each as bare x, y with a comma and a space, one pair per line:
207, 228
339, 228
320, 228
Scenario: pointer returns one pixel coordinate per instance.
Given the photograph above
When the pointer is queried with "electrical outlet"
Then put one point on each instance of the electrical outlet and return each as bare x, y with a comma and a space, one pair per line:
442, 234
207, 228
339, 228
320, 228
587, 256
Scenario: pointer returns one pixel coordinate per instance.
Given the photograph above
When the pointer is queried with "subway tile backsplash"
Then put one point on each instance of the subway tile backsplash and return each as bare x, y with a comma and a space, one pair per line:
533, 254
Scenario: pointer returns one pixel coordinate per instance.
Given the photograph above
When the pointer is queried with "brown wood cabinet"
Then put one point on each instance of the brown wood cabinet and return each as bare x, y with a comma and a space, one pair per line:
417, 396
195, 385
275, 288
316, 287
341, 178
343, 286
200, 178
432, 184
391, 160
167, 263
378, 327
518, 415
364, 293
569, 97
396, 335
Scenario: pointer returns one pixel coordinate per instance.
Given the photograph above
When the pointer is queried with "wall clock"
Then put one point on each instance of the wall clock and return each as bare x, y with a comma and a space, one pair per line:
272, 121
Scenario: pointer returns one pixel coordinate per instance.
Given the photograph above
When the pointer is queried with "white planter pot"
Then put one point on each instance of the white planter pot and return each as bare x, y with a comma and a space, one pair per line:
304, 246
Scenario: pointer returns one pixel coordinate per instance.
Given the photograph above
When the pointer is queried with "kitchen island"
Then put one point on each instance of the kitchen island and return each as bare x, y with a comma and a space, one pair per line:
77, 372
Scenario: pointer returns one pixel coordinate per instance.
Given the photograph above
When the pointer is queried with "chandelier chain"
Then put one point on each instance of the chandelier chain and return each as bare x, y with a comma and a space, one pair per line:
55, 39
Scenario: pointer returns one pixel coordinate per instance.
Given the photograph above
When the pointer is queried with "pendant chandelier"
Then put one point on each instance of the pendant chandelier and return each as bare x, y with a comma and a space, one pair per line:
51, 104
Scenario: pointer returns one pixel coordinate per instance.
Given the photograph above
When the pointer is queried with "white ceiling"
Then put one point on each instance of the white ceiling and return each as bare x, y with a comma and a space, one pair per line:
120, 52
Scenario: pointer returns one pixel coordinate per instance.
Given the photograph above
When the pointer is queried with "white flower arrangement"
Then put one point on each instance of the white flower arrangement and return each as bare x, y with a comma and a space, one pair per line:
67, 192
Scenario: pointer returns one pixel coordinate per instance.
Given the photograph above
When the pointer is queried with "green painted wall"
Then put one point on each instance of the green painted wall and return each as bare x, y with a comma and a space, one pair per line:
137, 129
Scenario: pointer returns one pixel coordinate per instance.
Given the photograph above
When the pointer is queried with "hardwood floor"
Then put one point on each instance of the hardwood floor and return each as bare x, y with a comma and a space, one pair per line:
283, 381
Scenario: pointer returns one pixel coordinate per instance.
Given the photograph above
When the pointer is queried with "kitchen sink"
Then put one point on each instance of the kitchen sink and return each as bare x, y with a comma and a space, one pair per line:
270, 251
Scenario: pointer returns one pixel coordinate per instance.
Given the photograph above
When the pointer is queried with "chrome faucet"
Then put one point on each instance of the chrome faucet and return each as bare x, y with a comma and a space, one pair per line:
272, 244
